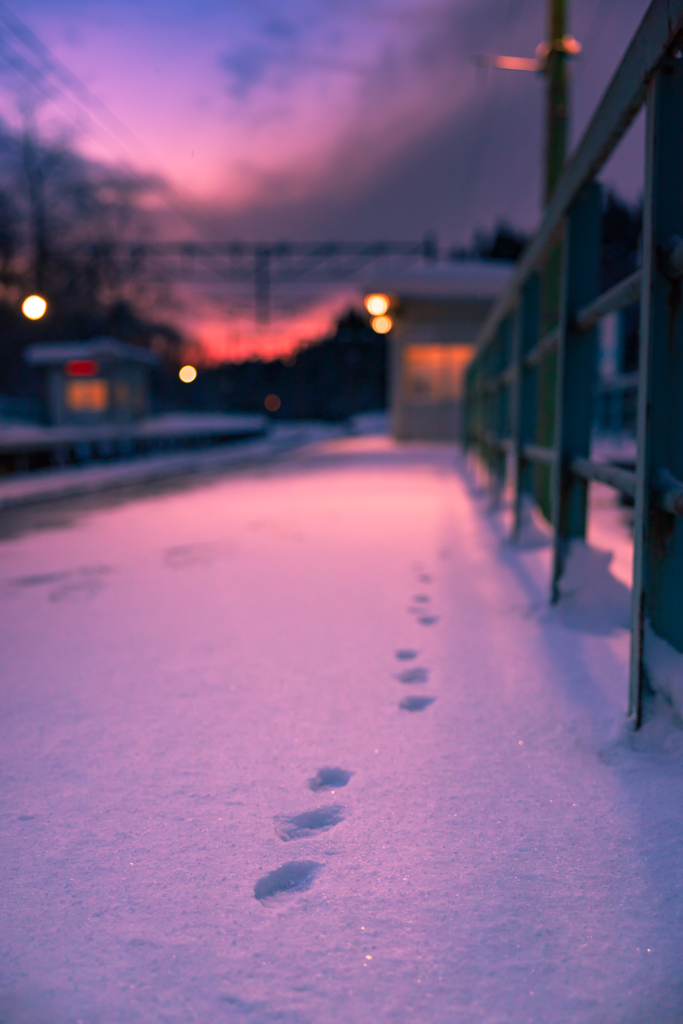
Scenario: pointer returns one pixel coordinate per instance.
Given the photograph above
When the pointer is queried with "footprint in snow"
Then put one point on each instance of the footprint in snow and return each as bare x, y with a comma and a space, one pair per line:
181, 556
293, 877
424, 578
416, 703
80, 588
413, 675
421, 599
71, 584
428, 620
40, 579
309, 823
406, 655
329, 778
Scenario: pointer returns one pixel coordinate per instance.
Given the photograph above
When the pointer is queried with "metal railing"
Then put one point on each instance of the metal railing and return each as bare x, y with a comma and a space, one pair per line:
531, 387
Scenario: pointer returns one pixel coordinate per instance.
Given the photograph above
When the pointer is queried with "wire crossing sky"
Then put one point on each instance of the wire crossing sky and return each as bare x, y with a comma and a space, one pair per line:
270, 121
310, 119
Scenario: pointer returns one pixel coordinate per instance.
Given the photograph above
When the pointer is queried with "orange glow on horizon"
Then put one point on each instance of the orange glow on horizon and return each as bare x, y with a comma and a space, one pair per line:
228, 337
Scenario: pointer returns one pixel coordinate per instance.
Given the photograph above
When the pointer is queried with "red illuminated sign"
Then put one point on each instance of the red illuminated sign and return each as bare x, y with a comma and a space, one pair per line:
82, 368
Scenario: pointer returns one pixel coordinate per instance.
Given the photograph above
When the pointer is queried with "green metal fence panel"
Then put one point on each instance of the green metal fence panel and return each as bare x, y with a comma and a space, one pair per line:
658, 560
576, 374
531, 386
524, 396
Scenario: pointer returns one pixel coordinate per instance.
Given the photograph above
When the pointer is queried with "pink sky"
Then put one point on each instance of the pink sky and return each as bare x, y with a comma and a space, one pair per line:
308, 120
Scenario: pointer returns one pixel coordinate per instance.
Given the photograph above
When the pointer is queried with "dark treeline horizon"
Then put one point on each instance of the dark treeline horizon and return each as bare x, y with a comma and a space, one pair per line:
62, 217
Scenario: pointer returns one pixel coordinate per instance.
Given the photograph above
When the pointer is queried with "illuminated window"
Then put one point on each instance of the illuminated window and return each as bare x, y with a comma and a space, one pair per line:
83, 395
434, 373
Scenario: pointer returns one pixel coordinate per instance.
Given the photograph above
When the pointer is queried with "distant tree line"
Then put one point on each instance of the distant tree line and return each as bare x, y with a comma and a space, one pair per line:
59, 217
344, 374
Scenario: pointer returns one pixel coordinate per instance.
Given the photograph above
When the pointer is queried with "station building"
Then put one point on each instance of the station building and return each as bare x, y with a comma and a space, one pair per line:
436, 311
103, 380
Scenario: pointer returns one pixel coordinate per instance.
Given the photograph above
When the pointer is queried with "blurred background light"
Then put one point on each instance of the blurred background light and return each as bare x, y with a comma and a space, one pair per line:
376, 305
34, 307
382, 324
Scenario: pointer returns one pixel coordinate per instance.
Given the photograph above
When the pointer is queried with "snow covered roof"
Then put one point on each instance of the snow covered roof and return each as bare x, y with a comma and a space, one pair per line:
467, 279
51, 353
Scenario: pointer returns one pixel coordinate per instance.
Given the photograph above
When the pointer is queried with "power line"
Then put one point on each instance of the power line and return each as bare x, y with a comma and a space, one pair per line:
593, 35
58, 76
481, 141
78, 90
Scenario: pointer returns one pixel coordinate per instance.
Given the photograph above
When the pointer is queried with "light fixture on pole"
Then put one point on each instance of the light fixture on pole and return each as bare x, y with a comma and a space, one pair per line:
34, 307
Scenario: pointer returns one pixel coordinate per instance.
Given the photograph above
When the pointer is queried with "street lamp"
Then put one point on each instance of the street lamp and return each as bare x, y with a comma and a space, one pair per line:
381, 324
377, 305
34, 307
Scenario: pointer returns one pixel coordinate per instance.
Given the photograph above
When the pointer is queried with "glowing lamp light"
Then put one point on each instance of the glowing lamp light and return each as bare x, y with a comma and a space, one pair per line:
272, 403
571, 46
381, 324
187, 374
34, 307
376, 305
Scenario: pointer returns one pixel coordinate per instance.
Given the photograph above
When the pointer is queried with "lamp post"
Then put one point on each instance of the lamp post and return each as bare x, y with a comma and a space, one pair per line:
551, 61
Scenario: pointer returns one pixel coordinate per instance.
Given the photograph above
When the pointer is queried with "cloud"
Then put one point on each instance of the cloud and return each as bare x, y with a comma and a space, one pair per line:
357, 120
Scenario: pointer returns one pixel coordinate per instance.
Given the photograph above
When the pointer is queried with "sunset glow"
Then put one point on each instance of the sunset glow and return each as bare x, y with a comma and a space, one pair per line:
306, 122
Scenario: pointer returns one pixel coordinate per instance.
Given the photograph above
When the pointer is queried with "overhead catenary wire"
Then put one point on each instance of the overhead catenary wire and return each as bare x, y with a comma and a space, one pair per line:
481, 139
52, 75
594, 33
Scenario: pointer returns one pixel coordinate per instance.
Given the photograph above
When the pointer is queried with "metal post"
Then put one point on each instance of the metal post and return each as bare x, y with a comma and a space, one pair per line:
576, 374
557, 109
523, 398
658, 555
497, 399
557, 128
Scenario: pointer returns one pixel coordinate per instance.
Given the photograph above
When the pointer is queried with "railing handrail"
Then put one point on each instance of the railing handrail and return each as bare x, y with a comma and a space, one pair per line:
621, 102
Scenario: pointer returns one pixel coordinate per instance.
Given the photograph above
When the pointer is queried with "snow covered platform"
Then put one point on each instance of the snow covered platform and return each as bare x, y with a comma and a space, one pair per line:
48, 485
306, 745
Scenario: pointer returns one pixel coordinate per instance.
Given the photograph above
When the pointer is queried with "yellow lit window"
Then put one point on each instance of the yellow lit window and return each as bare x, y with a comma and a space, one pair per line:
434, 373
90, 395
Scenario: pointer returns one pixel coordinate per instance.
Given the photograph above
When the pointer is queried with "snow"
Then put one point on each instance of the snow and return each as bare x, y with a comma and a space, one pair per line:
49, 484
215, 808
664, 667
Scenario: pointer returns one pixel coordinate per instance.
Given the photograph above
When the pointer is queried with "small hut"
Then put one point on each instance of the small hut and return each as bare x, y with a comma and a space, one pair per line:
99, 381
437, 311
